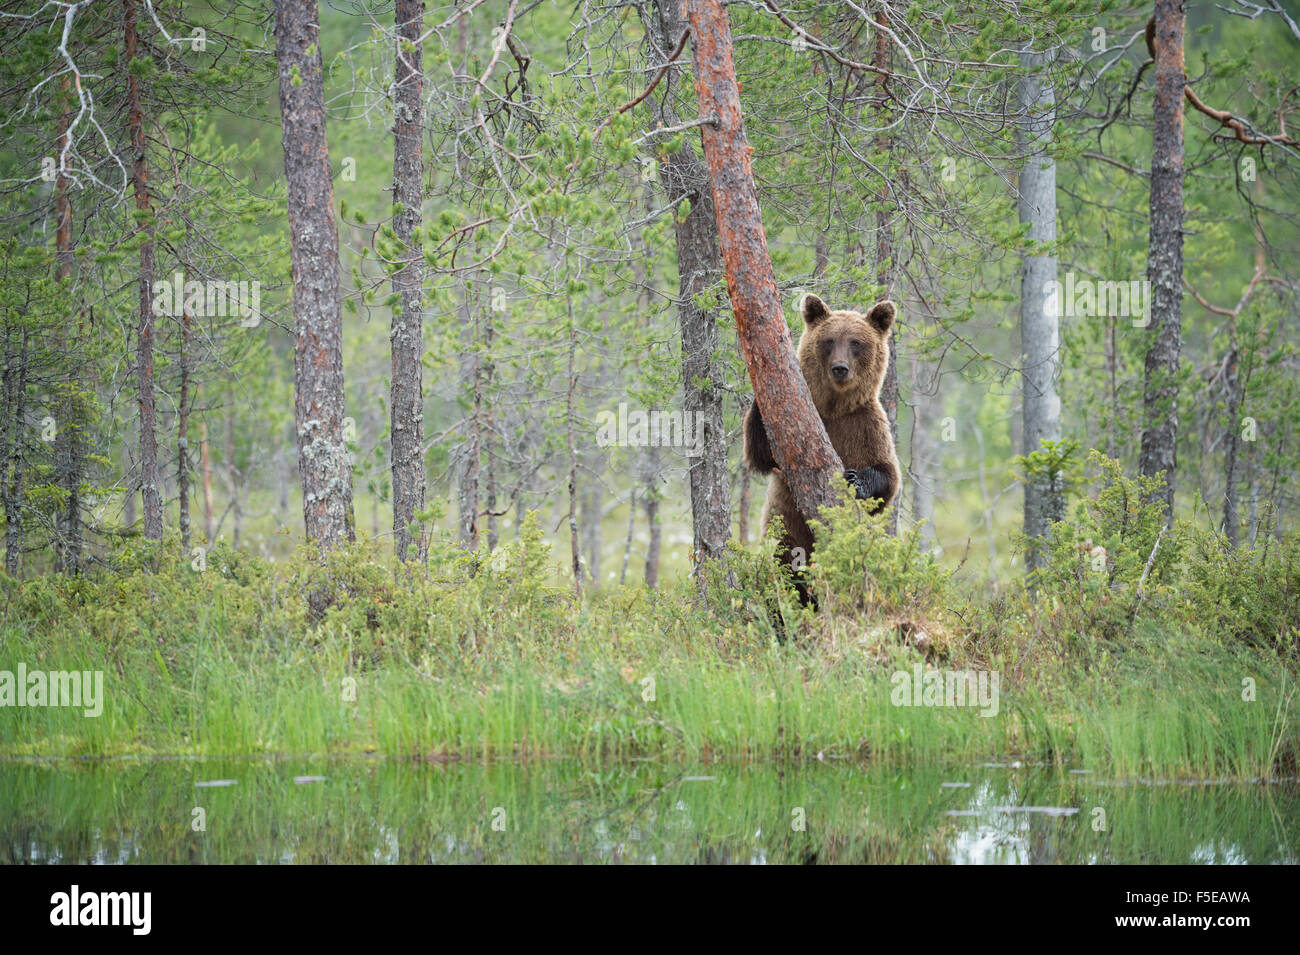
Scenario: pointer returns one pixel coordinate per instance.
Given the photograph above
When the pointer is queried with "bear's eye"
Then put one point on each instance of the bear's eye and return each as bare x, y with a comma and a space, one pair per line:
855, 344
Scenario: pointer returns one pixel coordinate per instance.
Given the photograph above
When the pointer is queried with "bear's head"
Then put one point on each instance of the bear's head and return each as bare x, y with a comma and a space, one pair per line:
843, 354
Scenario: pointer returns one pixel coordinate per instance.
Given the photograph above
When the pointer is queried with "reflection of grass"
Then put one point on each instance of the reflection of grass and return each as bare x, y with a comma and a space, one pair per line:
569, 811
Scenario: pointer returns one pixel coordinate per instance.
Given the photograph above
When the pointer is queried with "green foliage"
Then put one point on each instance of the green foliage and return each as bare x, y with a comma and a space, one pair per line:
1112, 558
863, 569
1246, 594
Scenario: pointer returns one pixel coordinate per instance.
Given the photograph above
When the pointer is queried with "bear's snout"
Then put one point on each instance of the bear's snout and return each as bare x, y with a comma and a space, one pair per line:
840, 371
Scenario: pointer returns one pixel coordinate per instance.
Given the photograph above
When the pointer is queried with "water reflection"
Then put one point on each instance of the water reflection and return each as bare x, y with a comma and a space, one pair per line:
389, 812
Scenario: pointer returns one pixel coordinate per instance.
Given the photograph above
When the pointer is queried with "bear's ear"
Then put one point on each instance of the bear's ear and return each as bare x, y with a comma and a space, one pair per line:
814, 310
881, 316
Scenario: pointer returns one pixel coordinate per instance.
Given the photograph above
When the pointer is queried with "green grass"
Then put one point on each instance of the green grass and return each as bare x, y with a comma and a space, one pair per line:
1177, 665
500, 663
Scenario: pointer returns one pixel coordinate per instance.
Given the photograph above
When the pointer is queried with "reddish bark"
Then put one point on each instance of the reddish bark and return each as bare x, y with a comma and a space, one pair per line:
796, 434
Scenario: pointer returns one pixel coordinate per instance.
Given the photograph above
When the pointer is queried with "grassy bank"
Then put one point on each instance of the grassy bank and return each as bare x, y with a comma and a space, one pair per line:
1177, 665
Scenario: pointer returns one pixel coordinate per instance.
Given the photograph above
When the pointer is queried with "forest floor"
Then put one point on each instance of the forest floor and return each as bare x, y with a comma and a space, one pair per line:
495, 658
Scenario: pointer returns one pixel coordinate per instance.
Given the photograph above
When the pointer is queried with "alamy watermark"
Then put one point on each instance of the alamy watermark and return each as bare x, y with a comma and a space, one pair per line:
209, 298
82, 688
1086, 298
75, 907
651, 429
923, 687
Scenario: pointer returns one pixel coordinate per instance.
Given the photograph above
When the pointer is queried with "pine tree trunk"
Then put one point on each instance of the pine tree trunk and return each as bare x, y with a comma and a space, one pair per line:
798, 439
471, 378
487, 370
69, 441
889, 394
150, 476
1040, 336
11, 479
407, 336
650, 478
699, 263
205, 468
323, 462
1231, 522
569, 426
183, 435
1165, 256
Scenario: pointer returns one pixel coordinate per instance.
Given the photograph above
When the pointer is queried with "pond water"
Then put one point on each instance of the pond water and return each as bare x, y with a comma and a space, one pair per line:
357, 810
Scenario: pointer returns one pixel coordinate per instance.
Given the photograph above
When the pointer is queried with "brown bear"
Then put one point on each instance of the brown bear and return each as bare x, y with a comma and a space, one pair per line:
843, 356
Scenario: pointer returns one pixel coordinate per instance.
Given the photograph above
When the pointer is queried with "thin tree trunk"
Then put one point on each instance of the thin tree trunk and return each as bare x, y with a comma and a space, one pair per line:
889, 394
1254, 504
1233, 386
205, 466
69, 441
742, 530
821, 256
233, 477
323, 463
631, 529
1165, 256
494, 520
1040, 337
699, 263
471, 378
15, 412
183, 434
1112, 372
797, 437
651, 500
150, 476
407, 337
486, 370
1237, 395
569, 425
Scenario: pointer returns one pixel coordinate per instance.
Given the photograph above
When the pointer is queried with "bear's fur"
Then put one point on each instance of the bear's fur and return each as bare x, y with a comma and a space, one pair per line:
843, 356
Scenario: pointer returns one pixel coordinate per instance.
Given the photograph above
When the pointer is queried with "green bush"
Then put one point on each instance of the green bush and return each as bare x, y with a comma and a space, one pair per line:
1112, 558
859, 568
1249, 595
